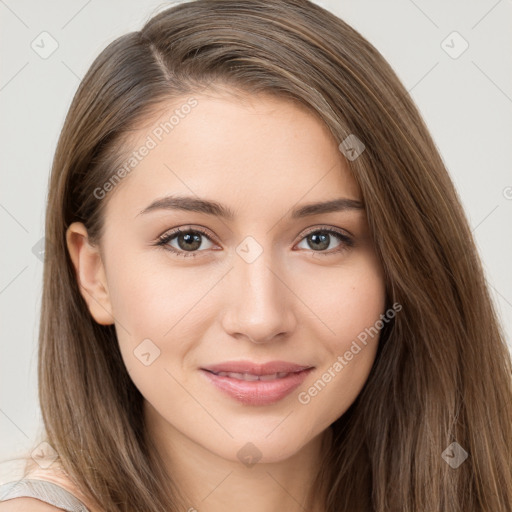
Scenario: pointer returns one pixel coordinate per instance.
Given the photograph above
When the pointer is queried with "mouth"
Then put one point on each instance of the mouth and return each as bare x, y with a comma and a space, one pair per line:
253, 384
250, 377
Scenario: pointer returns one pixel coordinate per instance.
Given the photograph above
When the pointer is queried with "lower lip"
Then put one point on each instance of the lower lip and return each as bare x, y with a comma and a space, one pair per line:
258, 392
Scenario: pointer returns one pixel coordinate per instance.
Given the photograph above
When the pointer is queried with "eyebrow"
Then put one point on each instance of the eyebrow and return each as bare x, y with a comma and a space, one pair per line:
192, 204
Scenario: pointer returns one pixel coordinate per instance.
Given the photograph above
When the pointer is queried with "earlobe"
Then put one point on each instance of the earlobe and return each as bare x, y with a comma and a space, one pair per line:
90, 273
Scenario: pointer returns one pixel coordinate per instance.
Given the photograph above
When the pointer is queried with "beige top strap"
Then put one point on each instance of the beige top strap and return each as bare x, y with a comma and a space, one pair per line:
43, 490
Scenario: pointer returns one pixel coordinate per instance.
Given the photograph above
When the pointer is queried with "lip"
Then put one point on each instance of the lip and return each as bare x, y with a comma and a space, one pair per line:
256, 368
257, 392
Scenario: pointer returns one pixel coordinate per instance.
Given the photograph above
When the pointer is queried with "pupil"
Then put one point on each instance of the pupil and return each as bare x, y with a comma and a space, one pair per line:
320, 240
189, 239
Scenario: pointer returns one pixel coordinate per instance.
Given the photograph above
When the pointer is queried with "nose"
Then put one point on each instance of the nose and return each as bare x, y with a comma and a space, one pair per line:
260, 304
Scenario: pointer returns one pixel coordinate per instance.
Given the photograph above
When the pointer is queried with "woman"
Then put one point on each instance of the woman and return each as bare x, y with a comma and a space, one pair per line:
260, 287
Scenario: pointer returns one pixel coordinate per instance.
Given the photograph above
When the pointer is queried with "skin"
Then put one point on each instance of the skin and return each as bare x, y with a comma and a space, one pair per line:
261, 157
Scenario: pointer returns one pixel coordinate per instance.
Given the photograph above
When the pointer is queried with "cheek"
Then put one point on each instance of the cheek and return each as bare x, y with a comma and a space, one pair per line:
149, 300
152, 309
346, 300
359, 322
160, 312
351, 342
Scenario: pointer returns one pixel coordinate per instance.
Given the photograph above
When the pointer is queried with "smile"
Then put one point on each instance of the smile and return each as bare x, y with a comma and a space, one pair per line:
254, 390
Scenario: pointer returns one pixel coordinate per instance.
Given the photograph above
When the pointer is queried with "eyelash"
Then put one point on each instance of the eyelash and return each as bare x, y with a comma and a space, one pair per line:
163, 241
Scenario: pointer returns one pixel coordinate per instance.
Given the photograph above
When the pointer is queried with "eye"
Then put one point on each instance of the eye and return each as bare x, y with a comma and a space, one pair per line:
188, 240
320, 240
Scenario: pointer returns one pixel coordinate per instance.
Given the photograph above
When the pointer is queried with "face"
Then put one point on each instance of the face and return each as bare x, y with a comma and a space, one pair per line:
274, 283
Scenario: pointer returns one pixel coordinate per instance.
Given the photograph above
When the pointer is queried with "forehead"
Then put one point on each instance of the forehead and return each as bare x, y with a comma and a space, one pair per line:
235, 147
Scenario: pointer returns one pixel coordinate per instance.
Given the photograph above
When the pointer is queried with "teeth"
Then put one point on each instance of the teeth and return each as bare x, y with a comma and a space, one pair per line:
273, 376
250, 377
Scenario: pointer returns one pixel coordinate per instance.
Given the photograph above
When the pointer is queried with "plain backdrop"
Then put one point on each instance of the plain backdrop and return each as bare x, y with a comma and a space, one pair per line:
464, 95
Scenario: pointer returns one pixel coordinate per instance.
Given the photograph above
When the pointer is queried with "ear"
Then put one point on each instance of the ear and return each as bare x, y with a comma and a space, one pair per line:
90, 273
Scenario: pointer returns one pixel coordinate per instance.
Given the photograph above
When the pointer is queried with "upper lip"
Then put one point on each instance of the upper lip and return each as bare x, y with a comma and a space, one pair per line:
256, 368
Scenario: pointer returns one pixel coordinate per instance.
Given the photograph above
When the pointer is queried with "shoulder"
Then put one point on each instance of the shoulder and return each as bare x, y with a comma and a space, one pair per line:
54, 474
42, 489
27, 505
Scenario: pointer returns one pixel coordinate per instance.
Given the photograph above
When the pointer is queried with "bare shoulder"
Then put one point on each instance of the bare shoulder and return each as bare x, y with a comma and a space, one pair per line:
27, 505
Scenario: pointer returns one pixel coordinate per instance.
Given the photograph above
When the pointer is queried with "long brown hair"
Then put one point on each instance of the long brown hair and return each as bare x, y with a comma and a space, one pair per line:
442, 374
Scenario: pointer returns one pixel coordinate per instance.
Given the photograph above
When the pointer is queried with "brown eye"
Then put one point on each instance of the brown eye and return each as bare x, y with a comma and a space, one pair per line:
189, 241
321, 239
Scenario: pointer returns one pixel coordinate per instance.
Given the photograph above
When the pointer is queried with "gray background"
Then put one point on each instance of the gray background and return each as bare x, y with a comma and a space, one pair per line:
466, 102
